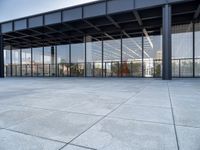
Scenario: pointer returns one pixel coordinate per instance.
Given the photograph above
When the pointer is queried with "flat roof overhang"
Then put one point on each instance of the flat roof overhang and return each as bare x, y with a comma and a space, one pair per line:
105, 20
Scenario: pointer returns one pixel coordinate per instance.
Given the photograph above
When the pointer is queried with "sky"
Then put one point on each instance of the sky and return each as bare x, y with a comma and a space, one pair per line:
12, 9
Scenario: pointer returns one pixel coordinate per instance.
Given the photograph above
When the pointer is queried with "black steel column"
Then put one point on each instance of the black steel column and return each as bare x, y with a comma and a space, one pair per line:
1, 57
102, 57
193, 57
121, 57
85, 47
167, 65
20, 62
31, 61
56, 61
11, 62
142, 56
43, 60
70, 61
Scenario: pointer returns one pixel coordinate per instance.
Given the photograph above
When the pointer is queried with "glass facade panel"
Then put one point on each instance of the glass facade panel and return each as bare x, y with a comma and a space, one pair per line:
37, 62
50, 61
7, 63
132, 57
16, 67
94, 58
63, 60
112, 58
26, 62
78, 60
152, 55
182, 50
197, 49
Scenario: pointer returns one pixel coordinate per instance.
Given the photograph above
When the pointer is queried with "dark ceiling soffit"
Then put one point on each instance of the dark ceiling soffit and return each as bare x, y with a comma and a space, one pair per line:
197, 13
80, 6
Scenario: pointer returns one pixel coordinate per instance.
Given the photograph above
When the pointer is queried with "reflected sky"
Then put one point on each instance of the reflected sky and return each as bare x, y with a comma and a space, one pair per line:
12, 9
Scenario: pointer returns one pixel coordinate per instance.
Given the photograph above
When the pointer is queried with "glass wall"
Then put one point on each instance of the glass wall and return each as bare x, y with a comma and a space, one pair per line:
112, 58
7, 63
26, 62
126, 60
132, 57
94, 59
197, 50
16, 63
78, 60
152, 55
63, 60
50, 61
37, 62
182, 50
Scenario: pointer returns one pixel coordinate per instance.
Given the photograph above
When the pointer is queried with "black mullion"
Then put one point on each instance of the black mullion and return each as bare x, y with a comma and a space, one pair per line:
121, 44
85, 46
11, 69
43, 59
193, 50
70, 63
102, 58
142, 55
31, 62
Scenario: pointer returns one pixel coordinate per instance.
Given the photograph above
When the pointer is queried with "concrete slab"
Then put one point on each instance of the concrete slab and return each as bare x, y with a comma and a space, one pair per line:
15, 141
59, 126
150, 101
187, 117
118, 134
153, 114
188, 138
12, 115
39, 108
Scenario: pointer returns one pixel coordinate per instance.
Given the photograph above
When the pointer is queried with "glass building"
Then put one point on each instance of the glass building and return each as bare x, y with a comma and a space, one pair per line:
111, 38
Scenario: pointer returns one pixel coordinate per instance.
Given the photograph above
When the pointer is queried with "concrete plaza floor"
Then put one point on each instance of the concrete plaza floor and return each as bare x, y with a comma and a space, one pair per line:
102, 114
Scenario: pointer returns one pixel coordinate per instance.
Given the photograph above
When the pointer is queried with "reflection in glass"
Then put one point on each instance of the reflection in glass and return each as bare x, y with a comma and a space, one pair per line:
63, 60
112, 58
7, 63
182, 51
152, 55
16, 63
77, 60
94, 58
37, 63
132, 57
26, 62
49, 61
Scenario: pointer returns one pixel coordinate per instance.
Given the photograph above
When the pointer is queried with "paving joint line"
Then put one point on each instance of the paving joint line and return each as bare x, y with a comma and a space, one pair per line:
174, 122
53, 110
143, 121
44, 138
188, 126
82, 146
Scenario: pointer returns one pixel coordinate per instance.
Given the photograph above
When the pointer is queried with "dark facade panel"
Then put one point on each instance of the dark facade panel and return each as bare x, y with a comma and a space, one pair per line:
6, 27
148, 3
95, 10
35, 21
20, 24
53, 18
119, 5
72, 14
